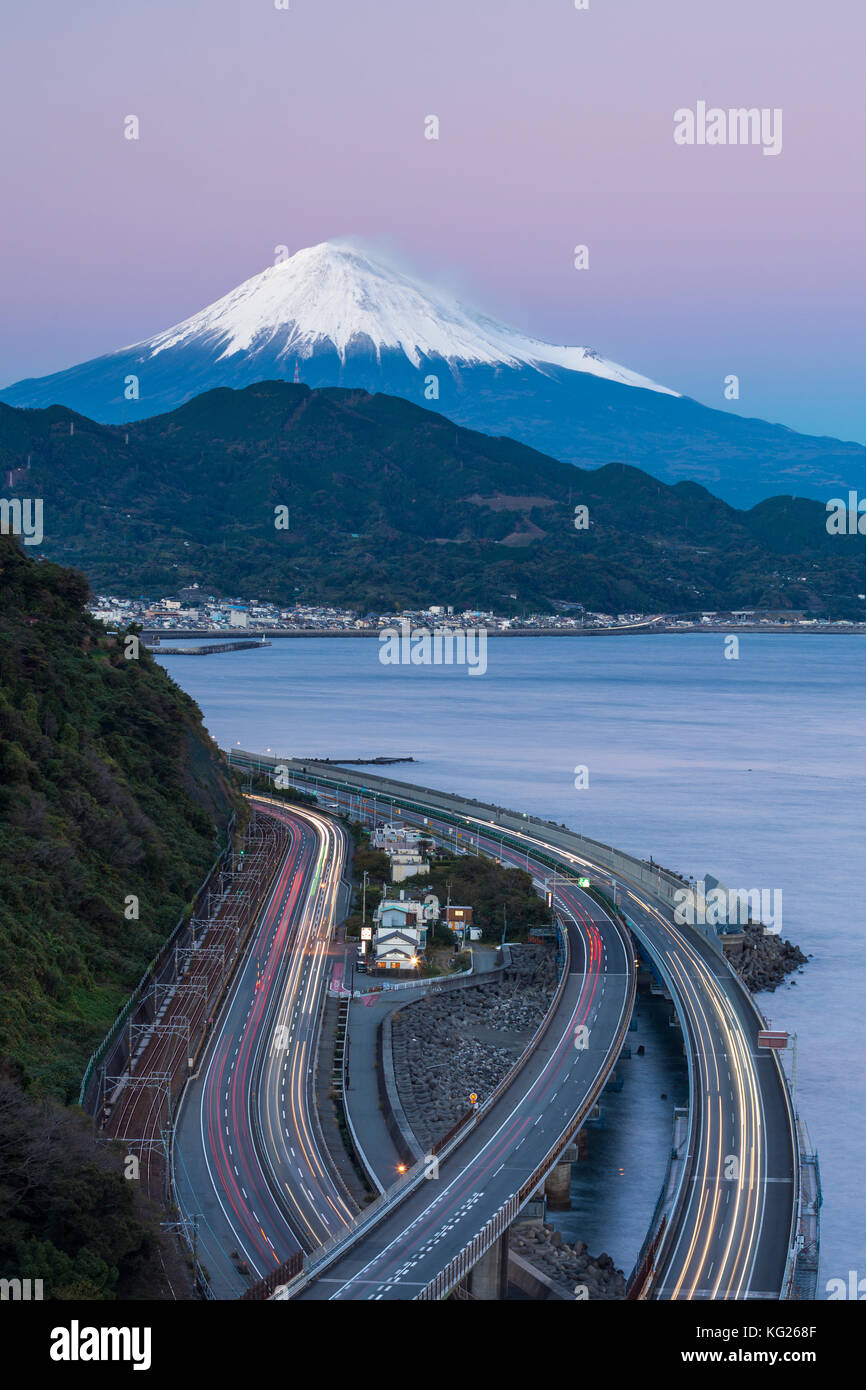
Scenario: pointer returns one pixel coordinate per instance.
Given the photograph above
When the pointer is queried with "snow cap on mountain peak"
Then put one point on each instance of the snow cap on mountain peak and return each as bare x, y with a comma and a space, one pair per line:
339, 293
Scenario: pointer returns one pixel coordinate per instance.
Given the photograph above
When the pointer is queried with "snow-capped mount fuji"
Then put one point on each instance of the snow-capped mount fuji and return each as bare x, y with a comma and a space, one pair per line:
338, 298
344, 316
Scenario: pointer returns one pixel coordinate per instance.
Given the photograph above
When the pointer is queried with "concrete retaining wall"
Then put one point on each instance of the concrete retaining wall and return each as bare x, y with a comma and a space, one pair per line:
399, 1129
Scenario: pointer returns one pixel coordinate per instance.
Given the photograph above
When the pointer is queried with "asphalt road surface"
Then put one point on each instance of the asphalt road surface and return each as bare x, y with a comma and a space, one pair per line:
247, 1161
730, 1233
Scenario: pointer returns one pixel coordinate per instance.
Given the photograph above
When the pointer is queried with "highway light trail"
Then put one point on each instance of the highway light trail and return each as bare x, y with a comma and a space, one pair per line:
717, 1249
457, 1206
728, 1233
542, 1101
247, 1157
285, 1097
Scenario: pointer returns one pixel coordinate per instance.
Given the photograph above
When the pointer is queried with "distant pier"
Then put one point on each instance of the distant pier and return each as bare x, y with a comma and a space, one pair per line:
210, 648
357, 762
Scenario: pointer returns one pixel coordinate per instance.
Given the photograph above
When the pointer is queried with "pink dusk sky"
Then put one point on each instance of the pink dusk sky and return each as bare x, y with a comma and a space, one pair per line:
261, 127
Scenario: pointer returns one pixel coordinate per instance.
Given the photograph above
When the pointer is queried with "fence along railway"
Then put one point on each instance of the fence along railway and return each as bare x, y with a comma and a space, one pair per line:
133, 1083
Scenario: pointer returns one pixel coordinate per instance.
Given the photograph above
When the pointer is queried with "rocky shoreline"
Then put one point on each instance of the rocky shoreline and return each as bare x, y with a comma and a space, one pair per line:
763, 961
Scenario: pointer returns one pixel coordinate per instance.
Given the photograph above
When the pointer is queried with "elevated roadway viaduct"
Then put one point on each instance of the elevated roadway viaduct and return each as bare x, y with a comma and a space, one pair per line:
440, 1220
728, 1230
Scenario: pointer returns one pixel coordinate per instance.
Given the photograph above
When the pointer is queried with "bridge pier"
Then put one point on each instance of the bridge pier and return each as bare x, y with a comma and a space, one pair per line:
557, 1184
535, 1211
488, 1279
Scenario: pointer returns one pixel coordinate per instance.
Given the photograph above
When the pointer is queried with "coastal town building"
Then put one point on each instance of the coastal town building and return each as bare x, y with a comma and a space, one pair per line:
458, 918
407, 911
400, 926
407, 864
397, 839
397, 949
190, 610
404, 848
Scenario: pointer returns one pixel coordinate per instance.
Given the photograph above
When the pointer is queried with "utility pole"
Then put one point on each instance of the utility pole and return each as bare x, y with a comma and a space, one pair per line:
504, 923
364, 898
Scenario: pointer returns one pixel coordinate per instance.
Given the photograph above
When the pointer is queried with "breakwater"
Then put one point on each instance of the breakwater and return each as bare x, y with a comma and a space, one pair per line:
209, 649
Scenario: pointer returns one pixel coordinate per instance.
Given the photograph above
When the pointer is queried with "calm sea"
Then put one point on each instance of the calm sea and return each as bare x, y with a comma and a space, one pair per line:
749, 769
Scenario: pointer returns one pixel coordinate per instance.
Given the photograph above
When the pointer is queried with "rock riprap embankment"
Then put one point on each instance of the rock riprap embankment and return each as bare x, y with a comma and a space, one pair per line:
762, 960
449, 1045
569, 1266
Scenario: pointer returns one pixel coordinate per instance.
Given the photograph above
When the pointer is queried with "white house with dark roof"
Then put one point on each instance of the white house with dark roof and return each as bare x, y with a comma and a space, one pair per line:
396, 949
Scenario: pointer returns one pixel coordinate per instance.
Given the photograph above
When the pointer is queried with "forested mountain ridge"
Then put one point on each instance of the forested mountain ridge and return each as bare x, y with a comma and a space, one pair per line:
109, 788
389, 506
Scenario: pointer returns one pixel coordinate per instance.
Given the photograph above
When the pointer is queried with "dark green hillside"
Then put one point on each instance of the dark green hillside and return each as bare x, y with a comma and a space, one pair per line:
109, 787
67, 1215
394, 506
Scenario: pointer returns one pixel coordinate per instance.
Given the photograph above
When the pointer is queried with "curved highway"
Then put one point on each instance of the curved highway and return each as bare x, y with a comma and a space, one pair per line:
506, 1153
730, 1234
730, 1237
249, 1170
731, 1225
